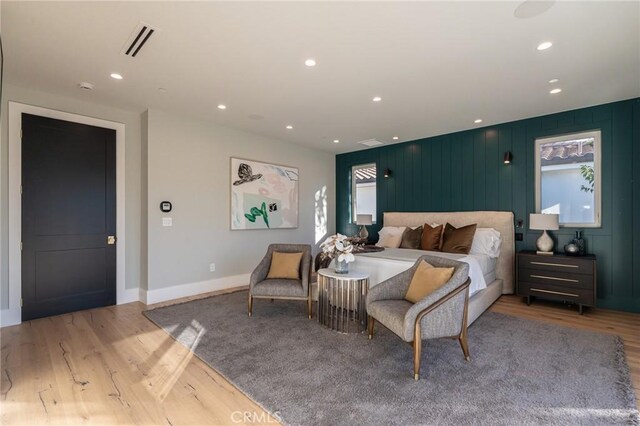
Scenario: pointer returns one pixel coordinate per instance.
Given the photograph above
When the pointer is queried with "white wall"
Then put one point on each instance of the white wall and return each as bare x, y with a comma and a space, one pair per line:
186, 162
189, 165
131, 119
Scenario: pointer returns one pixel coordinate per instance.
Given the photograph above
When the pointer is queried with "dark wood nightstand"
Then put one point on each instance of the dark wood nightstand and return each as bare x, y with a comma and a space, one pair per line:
558, 277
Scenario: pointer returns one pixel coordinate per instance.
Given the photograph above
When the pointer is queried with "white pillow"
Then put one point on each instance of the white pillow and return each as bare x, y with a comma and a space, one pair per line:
486, 241
390, 236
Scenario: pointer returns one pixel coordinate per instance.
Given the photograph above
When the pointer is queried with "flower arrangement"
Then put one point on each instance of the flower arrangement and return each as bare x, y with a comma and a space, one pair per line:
338, 247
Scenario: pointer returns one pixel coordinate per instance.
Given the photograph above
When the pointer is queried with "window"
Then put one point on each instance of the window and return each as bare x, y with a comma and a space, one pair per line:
363, 191
568, 178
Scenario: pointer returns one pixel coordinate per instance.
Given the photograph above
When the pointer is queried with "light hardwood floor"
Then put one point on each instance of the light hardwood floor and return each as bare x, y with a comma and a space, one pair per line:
113, 366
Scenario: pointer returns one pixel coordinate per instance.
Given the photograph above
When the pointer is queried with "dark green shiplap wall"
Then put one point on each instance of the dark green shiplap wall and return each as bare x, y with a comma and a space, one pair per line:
464, 171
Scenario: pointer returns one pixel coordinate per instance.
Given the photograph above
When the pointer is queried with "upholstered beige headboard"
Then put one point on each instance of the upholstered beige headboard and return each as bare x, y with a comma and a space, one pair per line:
501, 221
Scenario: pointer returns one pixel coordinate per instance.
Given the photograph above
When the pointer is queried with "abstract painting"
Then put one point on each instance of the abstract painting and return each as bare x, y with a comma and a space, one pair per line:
263, 195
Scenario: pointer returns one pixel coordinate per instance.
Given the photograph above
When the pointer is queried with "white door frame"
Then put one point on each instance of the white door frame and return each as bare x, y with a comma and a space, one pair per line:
13, 315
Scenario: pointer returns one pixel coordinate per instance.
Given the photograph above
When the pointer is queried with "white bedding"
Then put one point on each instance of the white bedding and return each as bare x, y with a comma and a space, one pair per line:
488, 266
385, 264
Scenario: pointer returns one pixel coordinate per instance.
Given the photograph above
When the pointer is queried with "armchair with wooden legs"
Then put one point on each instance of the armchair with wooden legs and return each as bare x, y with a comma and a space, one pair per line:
260, 287
442, 313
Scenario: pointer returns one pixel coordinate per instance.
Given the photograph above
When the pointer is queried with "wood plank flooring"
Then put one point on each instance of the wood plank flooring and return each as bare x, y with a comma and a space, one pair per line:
113, 366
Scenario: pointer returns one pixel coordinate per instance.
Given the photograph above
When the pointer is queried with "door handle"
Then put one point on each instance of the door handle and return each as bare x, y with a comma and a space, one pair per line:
111, 239
555, 278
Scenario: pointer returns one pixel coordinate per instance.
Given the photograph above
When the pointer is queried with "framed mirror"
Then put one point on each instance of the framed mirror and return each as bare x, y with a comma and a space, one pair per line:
568, 178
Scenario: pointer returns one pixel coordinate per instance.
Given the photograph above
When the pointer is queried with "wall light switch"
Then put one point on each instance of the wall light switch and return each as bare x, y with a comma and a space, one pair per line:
212, 267
167, 221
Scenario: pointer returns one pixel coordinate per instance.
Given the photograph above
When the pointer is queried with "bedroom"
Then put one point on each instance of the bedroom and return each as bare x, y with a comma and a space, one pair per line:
217, 81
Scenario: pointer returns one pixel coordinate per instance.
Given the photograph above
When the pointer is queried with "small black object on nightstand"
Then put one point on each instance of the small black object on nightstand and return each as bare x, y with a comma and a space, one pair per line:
558, 277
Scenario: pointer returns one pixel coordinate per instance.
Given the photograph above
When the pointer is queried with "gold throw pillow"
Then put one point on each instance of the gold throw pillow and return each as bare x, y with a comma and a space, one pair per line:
426, 280
285, 266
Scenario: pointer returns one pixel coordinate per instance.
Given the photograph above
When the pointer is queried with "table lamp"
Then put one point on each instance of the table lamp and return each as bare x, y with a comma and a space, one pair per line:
544, 222
363, 220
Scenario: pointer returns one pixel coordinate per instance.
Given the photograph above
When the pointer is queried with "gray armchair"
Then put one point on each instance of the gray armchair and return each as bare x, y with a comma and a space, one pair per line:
442, 313
262, 288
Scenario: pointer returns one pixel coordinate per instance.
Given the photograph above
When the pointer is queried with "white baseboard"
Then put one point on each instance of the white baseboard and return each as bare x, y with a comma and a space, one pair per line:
142, 295
149, 297
10, 317
129, 295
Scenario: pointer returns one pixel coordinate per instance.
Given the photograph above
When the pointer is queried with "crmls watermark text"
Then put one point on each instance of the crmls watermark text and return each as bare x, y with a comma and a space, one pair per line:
253, 417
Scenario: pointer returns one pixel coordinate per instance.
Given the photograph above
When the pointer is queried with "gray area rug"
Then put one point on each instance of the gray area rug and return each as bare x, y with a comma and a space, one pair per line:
521, 372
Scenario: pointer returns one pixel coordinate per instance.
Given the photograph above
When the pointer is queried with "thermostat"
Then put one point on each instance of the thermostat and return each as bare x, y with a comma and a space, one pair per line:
165, 206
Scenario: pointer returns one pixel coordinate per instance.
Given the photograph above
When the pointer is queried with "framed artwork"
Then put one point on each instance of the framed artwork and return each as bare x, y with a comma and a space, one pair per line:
263, 195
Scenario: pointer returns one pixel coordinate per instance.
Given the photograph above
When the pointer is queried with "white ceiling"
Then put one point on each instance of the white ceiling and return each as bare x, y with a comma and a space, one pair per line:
437, 66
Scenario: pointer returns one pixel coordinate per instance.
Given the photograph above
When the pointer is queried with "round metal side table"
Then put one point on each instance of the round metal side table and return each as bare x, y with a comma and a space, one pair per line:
341, 300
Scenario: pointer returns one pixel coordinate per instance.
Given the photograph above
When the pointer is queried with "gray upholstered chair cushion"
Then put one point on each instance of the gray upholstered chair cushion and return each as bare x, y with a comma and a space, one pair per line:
390, 313
445, 320
279, 288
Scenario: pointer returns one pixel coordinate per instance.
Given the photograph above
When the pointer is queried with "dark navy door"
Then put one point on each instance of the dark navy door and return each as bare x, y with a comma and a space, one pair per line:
68, 216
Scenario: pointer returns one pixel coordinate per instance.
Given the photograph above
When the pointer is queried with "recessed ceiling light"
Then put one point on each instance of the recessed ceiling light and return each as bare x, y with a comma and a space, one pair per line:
554, 80
310, 62
289, 127
116, 76
479, 120
377, 99
86, 86
162, 90
395, 138
221, 106
554, 91
336, 141
545, 45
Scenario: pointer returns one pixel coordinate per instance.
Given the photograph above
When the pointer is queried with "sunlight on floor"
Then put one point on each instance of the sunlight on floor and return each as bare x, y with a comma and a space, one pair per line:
166, 372
321, 214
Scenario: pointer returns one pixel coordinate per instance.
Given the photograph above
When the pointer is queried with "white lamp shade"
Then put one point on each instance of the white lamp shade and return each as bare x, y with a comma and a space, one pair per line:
364, 219
544, 222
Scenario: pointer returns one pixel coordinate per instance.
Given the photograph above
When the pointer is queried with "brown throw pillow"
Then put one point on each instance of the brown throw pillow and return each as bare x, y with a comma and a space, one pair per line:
285, 266
431, 237
411, 238
458, 240
426, 280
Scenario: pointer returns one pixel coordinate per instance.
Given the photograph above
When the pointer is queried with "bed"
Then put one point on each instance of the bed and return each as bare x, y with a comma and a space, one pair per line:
490, 277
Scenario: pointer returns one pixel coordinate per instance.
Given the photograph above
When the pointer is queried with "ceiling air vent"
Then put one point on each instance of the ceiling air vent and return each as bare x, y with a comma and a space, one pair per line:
371, 142
138, 39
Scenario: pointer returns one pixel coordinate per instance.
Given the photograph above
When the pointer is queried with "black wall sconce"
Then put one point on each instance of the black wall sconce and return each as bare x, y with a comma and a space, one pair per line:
507, 157
387, 172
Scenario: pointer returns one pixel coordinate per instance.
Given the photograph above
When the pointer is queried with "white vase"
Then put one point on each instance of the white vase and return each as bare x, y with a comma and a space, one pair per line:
342, 267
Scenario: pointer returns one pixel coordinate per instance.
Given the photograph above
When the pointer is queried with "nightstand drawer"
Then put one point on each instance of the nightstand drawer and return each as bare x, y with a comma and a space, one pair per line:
558, 264
563, 279
556, 292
